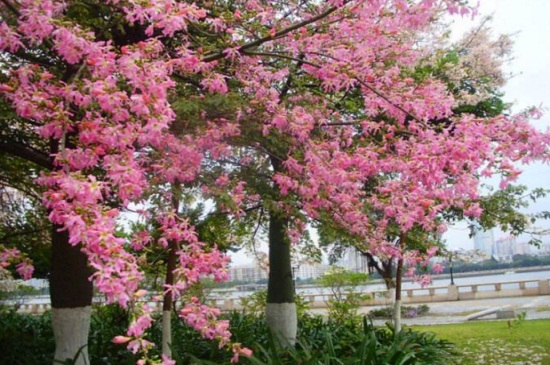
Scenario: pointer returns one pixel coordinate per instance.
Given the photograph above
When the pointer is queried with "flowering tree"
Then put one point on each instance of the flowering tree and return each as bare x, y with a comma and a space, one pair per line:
99, 82
103, 105
475, 88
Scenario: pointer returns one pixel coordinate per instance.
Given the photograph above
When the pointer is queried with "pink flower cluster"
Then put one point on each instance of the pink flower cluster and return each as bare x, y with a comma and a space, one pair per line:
10, 256
204, 319
136, 332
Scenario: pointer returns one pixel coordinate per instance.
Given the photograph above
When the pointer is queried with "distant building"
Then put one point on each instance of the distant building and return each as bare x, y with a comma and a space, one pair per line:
544, 250
250, 273
310, 271
522, 248
353, 260
254, 273
503, 248
484, 241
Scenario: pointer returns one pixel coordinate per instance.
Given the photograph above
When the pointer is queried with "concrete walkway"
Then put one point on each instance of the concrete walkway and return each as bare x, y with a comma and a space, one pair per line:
455, 312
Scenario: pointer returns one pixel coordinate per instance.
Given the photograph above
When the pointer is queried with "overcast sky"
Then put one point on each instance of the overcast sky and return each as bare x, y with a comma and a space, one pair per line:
529, 22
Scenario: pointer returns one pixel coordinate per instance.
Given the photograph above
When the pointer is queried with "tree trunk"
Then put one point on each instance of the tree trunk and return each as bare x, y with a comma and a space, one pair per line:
397, 304
387, 273
167, 302
71, 294
281, 313
169, 281
167, 333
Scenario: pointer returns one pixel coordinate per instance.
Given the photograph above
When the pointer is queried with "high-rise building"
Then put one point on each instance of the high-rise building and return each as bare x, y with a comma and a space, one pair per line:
484, 241
353, 260
522, 248
503, 249
254, 273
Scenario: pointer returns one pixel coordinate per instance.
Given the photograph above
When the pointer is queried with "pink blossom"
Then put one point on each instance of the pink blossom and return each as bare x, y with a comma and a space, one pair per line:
215, 84
238, 351
138, 326
437, 268
432, 251
121, 339
167, 361
25, 269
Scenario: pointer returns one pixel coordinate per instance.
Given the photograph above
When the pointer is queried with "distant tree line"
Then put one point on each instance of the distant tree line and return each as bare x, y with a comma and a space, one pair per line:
492, 264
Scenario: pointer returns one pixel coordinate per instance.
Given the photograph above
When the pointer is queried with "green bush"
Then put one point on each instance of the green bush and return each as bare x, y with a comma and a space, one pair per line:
336, 343
345, 299
383, 346
255, 303
107, 322
28, 340
25, 339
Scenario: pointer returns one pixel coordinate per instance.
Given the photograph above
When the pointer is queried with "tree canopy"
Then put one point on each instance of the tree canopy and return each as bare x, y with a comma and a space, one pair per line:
123, 98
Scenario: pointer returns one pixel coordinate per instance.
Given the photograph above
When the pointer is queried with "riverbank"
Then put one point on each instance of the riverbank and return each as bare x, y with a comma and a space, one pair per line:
491, 272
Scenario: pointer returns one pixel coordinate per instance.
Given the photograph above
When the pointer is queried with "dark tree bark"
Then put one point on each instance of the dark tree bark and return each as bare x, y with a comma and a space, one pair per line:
281, 313
280, 283
70, 286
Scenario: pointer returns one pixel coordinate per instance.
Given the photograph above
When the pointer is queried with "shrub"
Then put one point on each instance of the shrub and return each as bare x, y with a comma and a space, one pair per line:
25, 339
255, 303
335, 343
107, 322
382, 346
28, 340
345, 300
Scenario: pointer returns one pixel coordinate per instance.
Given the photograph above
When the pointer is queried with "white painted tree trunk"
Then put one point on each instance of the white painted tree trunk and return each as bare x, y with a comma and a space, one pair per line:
397, 316
70, 328
167, 333
390, 297
398, 282
282, 319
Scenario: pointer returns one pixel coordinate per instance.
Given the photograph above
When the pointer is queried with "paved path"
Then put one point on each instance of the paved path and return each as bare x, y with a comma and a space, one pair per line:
456, 312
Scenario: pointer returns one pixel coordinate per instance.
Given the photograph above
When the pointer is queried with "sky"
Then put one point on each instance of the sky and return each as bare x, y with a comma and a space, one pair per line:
528, 22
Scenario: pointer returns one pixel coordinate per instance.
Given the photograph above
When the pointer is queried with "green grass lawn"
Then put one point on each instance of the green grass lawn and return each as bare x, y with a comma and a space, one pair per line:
498, 343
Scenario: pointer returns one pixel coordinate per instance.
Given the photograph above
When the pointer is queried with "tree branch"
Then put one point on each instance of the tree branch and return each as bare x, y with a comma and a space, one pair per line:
30, 193
22, 233
27, 153
11, 7
280, 55
219, 55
